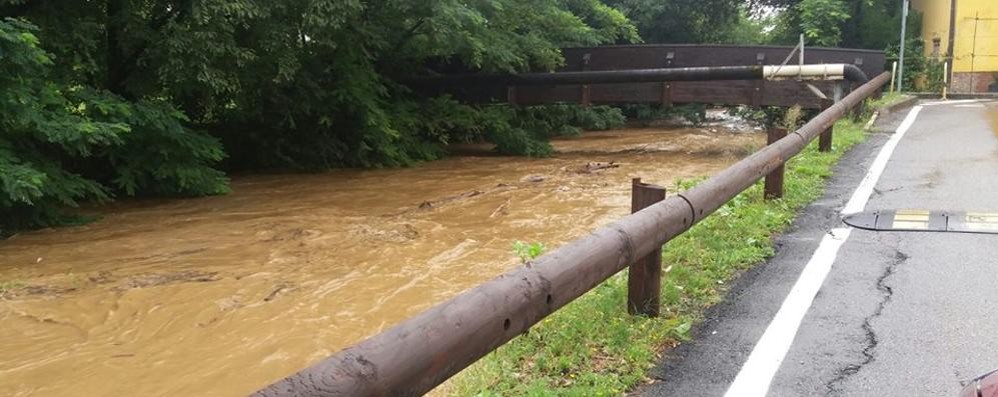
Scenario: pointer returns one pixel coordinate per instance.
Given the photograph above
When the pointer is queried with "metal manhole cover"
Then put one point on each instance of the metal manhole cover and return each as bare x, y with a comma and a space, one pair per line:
911, 220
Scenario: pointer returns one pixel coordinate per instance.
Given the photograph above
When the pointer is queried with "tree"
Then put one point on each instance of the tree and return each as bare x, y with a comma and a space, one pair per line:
296, 83
750, 28
872, 24
820, 21
682, 21
308, 83
60, 144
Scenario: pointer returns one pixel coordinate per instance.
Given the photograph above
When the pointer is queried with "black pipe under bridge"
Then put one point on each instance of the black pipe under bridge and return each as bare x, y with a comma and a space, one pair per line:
671, 74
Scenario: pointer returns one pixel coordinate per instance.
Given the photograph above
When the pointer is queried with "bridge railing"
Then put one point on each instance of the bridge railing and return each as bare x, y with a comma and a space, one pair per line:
418, 354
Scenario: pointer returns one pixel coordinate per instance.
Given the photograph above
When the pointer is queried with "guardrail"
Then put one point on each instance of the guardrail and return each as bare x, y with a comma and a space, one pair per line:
420, 353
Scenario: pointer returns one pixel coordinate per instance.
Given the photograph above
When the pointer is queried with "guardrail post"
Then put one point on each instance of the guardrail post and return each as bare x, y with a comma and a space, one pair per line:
644, 276
774, 180
825, 139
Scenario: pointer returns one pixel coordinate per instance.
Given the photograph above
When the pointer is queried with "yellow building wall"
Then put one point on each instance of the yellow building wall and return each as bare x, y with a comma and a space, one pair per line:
935, 23
983, 43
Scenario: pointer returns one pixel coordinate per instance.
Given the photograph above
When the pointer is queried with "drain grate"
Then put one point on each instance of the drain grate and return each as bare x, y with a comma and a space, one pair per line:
913, 220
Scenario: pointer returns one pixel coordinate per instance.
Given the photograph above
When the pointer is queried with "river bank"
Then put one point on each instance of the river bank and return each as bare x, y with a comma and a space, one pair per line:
593, 347
222, 295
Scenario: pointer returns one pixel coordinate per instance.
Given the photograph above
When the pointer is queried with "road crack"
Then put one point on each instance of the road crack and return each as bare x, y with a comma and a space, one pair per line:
871, 336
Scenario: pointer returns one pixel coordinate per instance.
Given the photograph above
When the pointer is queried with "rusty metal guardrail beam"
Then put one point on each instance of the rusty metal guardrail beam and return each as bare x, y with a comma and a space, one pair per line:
420, 353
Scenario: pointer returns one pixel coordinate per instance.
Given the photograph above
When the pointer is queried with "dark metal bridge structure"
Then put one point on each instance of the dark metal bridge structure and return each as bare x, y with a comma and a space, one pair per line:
625, 60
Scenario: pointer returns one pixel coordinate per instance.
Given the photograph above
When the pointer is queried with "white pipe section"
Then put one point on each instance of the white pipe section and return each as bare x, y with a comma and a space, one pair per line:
830, 71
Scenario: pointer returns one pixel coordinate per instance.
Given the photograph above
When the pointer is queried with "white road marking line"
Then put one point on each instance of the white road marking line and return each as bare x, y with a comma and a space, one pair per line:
972, 105
862, 194
758, 371
955, 102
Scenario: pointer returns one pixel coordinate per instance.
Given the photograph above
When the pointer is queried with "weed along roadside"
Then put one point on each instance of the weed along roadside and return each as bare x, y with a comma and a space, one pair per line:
422, 352
593, 347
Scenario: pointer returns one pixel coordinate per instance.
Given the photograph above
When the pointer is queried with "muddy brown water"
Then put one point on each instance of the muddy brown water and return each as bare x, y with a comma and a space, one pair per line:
223, 295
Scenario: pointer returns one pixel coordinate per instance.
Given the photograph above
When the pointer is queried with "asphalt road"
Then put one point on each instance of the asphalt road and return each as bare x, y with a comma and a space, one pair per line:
899, 313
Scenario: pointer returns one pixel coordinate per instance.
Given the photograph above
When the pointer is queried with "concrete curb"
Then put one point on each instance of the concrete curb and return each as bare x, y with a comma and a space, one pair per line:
902, 104
908, 101
936, 95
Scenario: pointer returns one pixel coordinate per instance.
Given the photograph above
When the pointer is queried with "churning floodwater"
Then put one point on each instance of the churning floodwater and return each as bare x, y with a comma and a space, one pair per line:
224, 295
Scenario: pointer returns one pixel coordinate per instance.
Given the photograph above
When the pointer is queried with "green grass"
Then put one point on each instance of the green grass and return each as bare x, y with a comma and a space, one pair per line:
886, 99
592, 347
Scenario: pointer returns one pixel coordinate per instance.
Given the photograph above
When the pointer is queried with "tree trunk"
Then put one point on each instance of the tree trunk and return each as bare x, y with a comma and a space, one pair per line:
116, 57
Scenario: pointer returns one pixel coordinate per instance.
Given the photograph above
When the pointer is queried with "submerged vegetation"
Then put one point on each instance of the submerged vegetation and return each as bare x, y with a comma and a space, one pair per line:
592, 347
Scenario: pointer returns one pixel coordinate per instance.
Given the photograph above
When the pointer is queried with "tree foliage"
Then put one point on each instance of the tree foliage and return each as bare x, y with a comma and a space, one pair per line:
871, 24
820, 20
312, 83
305, 84
683, 21
62, 144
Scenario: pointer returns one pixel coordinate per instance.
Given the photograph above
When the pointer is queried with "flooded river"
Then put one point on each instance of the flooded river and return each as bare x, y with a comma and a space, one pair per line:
223, 295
